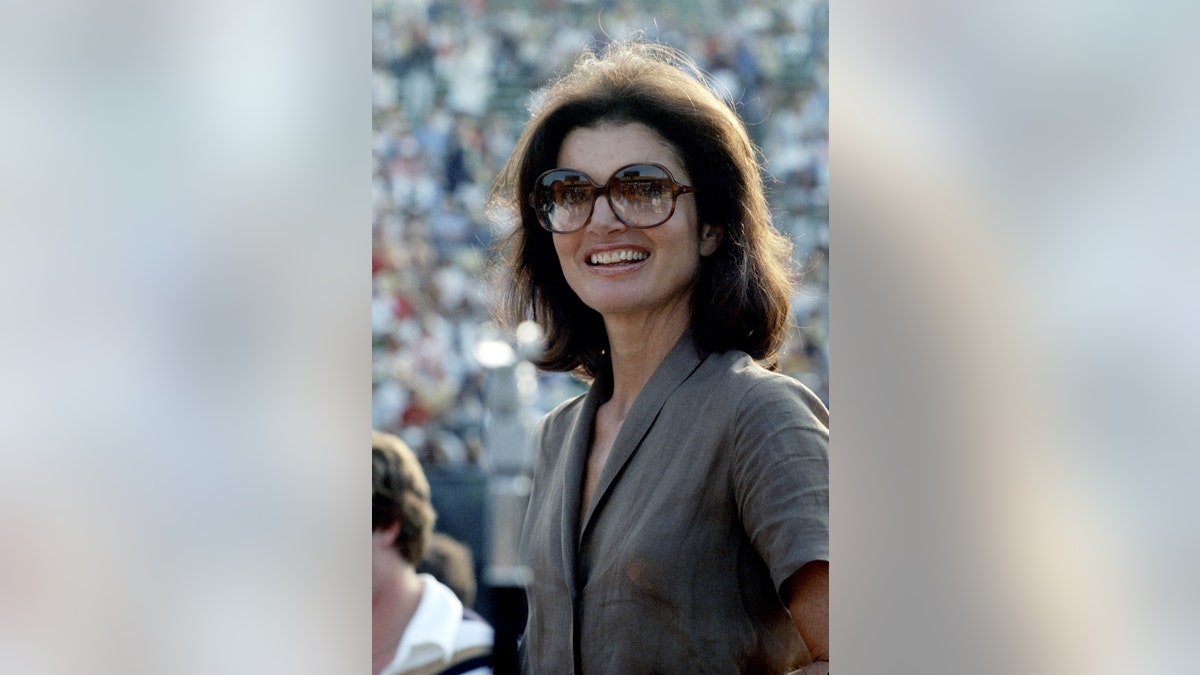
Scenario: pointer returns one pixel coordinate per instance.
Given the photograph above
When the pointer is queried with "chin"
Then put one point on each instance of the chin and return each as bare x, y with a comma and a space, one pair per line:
609, 304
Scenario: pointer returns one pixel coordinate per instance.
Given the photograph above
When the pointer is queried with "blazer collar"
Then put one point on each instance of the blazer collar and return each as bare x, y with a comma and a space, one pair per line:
679, 364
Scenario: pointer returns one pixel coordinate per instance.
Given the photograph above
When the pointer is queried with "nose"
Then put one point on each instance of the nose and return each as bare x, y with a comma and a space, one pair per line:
603, 219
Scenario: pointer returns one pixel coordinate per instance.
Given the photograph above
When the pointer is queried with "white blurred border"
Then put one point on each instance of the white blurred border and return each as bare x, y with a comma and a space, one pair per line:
185, 297
1011, 293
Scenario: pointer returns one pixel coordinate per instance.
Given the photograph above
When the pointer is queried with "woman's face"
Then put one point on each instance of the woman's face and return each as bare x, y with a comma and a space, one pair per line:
661, 263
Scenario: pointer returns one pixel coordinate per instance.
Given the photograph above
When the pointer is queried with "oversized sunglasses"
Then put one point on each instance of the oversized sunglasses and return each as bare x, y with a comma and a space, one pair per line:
640, 195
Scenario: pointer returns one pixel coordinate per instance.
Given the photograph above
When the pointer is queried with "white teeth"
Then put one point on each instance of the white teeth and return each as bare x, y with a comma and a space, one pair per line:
623, 255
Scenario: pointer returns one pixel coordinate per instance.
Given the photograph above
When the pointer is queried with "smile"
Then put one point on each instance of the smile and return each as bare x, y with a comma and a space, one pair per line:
617, 257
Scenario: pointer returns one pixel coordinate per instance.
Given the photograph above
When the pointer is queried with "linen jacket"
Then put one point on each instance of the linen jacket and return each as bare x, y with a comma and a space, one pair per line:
714, 493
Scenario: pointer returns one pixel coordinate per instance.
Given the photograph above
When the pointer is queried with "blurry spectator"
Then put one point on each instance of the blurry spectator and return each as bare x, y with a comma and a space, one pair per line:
417, 623
451, 563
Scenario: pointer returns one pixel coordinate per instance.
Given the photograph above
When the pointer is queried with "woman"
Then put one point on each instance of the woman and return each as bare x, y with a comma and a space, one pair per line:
679, 514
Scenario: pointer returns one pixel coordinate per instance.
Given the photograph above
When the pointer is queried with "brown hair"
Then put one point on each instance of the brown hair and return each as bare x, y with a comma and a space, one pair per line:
742, 297
451, 562
400, 494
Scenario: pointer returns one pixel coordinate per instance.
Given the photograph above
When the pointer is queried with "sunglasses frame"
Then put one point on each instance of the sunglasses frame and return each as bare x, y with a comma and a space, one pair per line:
605, 188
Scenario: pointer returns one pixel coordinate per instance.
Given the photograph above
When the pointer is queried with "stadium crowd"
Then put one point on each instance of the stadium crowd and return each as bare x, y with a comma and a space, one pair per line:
452, 84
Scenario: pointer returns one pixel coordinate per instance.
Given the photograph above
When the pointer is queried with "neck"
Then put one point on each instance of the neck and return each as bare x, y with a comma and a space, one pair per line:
393, 603
637, 347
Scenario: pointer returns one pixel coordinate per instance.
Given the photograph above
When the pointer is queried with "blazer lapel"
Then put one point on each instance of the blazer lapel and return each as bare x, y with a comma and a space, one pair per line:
680, 363
577, 445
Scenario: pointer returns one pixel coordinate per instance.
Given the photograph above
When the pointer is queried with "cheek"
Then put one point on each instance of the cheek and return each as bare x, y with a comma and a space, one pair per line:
564, 247
556, 241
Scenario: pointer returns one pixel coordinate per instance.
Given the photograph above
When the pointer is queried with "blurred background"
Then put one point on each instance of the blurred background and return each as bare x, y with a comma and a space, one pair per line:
452, 85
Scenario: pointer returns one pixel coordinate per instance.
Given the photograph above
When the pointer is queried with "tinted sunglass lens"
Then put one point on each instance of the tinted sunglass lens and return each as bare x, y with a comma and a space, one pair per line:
563, 200
642, 195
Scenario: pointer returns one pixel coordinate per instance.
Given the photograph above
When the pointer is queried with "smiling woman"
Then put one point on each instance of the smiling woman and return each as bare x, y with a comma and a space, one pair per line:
679, 515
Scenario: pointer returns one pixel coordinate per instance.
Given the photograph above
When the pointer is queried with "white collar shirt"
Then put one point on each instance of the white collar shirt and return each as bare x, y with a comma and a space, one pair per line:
436, 630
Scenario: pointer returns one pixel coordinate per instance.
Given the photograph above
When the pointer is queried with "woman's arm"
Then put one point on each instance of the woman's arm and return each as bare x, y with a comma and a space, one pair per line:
807, 595
781, 477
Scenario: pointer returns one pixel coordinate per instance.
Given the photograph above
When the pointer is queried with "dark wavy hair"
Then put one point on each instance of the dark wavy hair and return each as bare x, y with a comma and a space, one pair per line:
742, 296
400, 492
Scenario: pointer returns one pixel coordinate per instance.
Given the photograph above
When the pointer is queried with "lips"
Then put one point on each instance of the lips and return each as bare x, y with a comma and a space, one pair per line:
617, 257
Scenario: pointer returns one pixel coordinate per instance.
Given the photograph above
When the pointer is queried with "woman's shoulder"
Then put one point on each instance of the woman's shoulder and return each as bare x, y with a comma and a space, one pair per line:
561, 418
568, 408
759, 391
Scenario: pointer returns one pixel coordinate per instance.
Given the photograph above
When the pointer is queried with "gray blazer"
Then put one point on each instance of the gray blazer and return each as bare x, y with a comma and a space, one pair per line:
716, 490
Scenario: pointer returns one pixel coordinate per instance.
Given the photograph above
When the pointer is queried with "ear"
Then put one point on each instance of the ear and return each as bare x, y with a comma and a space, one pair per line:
386, 536
710, 238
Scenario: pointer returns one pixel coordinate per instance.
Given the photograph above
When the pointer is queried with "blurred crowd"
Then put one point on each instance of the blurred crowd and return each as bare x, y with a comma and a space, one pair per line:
452, 85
